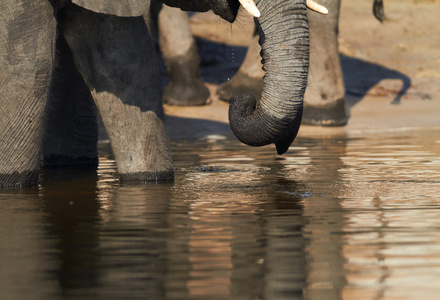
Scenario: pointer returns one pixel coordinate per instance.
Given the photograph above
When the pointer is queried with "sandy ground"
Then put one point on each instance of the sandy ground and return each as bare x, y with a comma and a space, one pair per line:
391, 70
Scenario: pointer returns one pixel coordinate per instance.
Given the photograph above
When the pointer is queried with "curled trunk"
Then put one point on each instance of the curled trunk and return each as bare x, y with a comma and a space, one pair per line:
276, 117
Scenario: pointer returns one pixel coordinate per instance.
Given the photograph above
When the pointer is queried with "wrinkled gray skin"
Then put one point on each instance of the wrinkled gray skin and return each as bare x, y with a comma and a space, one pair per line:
324, 100
57, 57
179, 50
116, 61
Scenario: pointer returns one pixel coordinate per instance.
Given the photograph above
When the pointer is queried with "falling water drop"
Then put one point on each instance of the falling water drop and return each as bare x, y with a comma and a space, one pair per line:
233, 60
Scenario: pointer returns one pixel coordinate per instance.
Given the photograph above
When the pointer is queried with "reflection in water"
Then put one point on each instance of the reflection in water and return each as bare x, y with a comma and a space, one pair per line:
70, 221
332, 219
24, 265
392, 220
133, 243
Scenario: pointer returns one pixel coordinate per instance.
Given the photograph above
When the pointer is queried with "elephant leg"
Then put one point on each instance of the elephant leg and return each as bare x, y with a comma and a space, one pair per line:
27, 38
181, 57
249, 77
117, 59
70, 129
324, 100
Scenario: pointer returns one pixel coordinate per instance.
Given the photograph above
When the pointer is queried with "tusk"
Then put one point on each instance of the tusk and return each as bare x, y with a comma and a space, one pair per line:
250, 6
316, 7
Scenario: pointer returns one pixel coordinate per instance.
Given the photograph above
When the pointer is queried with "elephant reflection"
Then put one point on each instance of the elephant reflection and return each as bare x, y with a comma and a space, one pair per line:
108, 240
208, 235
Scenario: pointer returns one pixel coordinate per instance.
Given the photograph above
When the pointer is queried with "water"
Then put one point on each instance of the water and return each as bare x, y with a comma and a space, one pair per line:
341, 218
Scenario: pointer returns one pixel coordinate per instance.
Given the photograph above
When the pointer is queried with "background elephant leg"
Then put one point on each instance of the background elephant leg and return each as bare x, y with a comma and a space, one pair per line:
117, 59
249, 77
71, 129
324, 100
179, 51
27, 37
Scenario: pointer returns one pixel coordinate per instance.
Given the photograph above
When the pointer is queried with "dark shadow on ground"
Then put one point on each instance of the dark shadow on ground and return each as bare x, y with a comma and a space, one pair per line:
361, 76
219, 62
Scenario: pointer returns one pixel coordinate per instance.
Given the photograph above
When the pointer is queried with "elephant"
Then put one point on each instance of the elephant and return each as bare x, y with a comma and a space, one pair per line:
324, 100
179, 51
60, 55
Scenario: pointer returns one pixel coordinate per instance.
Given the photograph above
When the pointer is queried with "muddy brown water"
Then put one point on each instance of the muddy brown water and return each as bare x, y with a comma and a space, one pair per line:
344, 218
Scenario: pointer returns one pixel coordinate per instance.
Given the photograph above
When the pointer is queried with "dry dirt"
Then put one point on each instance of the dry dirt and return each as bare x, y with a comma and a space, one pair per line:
391, 70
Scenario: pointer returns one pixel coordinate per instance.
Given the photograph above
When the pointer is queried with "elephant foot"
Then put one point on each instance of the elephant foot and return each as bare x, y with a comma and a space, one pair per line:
144, 154
186, 87
332, 114
183, 93
241, 84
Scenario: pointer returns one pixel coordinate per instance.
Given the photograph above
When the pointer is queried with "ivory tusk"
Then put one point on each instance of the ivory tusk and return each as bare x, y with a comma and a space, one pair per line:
250, 7
316, 7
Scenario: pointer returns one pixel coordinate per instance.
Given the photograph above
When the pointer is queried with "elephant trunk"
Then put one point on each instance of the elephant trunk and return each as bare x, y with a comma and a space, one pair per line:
276, 117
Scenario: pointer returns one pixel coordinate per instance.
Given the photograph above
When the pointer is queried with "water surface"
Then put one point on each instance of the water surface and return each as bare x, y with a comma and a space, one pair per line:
341, 218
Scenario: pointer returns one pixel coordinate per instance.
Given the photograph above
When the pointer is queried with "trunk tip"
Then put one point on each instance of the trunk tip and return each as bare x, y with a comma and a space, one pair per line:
282, 148
287, 139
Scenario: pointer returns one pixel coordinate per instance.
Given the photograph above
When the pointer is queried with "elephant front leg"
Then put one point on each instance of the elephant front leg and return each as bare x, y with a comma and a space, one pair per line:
27, 36
179, 51
117, 59
324, 99
139, 142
